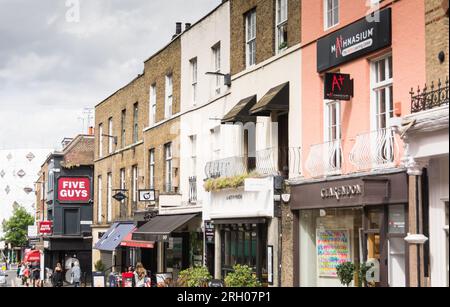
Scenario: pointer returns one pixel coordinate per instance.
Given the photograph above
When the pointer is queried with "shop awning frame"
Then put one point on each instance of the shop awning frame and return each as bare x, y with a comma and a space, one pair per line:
277, 99
129, 242
241, 112
161, 225
114, 236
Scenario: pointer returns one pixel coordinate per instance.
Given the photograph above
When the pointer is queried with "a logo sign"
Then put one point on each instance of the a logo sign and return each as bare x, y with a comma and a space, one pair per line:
209, 233
45, 227
147, 195
338, 87
119, 196
32, 231
74, 189
353, 41
341, 192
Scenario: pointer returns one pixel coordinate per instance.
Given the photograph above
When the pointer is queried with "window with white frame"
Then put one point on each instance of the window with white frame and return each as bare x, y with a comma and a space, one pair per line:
136, 122
333, 135
122, 182
194, 77
123, 128
331, 13
169, 174
250, 38
153, 104
281, 25
217, 63
109, 199
193, 141
215, 143
100, 140
99, 200
169, 96
110, 133
383, 91
152, 168
134, 183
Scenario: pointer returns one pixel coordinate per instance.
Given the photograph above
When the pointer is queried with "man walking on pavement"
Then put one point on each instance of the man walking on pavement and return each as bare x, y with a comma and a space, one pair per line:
76, 274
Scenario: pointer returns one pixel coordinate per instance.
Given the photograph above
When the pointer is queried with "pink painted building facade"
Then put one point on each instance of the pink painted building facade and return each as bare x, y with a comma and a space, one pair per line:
352, 203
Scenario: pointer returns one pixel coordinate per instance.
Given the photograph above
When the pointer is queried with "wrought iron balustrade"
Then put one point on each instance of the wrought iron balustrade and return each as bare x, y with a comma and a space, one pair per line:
325, 159
429, 98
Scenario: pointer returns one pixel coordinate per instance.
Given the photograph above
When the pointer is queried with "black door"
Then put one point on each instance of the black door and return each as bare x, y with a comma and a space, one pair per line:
71, 222
283, 144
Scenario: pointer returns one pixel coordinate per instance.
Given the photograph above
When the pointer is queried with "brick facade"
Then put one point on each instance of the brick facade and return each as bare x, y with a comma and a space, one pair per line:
436, 27
265, 29
287, 273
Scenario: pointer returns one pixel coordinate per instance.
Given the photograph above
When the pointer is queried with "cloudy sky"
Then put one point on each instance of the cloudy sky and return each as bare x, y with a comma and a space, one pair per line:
53, 65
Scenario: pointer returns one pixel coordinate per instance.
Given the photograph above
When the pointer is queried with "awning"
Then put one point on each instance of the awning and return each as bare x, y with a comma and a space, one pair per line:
277, 99
129, 242
161, 225
32, 256
241, 112
112, 238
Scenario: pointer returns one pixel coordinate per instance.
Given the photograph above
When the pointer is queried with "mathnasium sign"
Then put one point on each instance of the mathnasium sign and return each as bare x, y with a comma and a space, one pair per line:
360, 38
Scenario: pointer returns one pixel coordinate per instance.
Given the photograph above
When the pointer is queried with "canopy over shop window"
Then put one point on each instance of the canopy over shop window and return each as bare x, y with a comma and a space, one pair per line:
161, 225
129, 242
114, 236
277, 99
240, 113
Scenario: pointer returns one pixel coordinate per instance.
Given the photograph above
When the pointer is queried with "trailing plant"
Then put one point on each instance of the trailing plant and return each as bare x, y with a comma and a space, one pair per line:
242, 276
217, 184
99, 266
346, 273
194, 277
282, 45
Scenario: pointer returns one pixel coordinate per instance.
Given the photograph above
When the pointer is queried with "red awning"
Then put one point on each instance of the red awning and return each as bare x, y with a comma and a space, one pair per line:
32, 256
129, 242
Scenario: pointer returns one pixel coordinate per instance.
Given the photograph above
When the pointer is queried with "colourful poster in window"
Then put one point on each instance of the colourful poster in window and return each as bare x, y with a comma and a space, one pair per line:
333, 248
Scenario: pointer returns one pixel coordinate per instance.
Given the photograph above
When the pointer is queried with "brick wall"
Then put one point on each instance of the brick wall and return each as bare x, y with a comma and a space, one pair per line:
265, 29
80, 153
436, 26
287, 273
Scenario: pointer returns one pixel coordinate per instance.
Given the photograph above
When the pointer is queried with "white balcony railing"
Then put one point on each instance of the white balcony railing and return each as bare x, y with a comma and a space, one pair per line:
375, 150
325, 159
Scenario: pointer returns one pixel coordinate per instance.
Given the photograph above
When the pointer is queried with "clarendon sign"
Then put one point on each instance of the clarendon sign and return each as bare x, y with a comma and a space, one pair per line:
354, 41
341, 192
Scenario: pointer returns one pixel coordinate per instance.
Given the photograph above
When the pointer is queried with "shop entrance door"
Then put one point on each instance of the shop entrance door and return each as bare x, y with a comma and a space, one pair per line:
375, 246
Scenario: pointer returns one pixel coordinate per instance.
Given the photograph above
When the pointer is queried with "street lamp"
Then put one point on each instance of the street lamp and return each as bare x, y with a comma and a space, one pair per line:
115, 138
227, 77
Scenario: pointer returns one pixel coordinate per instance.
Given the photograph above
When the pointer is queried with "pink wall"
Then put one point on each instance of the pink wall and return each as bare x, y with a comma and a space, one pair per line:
408, 51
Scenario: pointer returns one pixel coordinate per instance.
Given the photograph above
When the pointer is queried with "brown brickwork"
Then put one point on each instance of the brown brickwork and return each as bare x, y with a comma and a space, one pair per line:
436, 27
79, 152
265, 29
287, 274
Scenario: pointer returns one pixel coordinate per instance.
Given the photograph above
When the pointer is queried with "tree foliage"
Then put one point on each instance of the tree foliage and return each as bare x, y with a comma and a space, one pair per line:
16, 228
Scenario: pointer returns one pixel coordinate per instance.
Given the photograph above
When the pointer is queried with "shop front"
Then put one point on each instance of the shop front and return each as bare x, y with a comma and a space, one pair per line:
362, 220
246, 230
177, 244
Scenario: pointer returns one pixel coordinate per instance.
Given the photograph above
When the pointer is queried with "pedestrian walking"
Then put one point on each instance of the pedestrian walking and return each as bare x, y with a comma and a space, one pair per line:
26, 275
139, 276
57, 277
35, 273
76, 274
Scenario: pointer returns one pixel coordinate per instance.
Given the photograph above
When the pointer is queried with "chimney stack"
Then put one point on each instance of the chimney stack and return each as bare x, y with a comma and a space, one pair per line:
187, 26
178, 28
91, 131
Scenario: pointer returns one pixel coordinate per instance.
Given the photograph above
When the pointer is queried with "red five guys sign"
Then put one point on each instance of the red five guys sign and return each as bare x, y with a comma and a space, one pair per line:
74, 189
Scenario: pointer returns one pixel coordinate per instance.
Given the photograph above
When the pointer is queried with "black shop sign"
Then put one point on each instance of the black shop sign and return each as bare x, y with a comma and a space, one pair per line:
362, 37
338, 87
209, 232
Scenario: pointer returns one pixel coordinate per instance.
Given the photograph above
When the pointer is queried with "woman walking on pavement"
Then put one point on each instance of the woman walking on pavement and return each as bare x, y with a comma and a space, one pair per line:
139, 276
57, 277
76, 274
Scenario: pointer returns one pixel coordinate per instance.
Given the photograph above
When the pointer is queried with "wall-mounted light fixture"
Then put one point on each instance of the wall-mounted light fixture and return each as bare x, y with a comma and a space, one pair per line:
227, 77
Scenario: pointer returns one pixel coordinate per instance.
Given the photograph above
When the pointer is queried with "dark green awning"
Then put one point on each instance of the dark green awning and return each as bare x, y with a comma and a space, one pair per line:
161, 225
240, 113
277, 99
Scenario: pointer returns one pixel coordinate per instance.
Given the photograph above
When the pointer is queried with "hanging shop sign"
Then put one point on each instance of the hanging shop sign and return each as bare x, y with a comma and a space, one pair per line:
74, 189
209, 232
338, 87
45, 227
119, 196
360, 38
147, 195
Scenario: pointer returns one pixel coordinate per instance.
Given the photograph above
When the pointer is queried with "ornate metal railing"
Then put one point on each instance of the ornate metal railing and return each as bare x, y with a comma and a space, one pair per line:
272, 161
429, 98
325, 159
375, 150
192, 190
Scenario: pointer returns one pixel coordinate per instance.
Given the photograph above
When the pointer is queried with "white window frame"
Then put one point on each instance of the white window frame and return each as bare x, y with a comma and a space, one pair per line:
123, 129
135, 122
375, 87
152, 166
152, 104
100, 140
194, 79
193, 142
134, 181
123, 175
328, 127
327, 10
99, 200
109, 198
250, 38
169, 97
282, 16
216, 49
169, 171
110, 133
